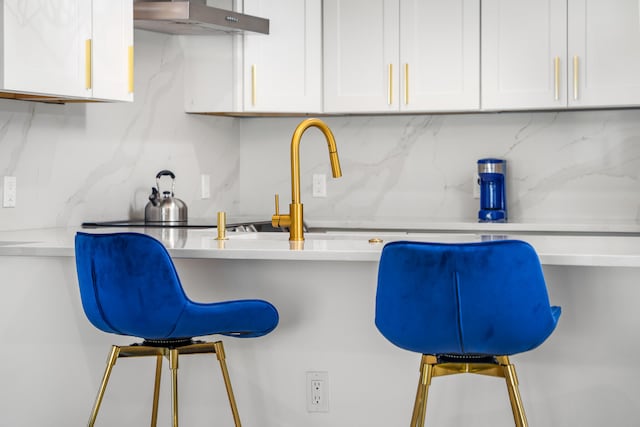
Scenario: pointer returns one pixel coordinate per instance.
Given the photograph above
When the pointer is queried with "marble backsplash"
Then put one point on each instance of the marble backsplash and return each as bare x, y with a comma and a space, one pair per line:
81, 162
562, 167
98, 161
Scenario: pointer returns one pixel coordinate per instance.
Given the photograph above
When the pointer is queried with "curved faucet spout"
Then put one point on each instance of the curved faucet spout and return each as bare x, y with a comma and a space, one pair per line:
294, 220
295, 154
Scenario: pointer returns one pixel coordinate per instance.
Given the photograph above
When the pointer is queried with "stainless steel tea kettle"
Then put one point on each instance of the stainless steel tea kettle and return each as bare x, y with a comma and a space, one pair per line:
164, 207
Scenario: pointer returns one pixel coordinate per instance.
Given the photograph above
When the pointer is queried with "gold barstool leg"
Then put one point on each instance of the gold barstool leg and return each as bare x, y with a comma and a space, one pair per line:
173, 361
113, 356
420, 405
219, 348
156, 391
514, 393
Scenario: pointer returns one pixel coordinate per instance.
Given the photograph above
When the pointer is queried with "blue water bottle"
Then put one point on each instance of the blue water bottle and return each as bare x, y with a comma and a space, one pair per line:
493, 199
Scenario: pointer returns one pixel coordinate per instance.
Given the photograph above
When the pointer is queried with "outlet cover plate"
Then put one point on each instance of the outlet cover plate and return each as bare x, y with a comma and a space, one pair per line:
317, 385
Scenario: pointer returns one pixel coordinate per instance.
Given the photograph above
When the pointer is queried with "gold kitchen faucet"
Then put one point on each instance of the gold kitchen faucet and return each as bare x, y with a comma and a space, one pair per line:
294, 219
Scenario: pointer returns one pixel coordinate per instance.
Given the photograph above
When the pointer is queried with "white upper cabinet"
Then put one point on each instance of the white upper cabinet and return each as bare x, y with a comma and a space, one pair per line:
256, 73
75, 49
524, 54
361, 54
604, 53
439, 55
558, 53
283, 71
112, 50
401, 55
43, 46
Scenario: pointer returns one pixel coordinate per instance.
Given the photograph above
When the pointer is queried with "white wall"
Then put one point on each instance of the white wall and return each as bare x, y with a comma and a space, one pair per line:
578, 166
81, 162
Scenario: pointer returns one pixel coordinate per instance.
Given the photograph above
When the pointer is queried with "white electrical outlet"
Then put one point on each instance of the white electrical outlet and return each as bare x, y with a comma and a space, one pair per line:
476, 186
9, 192
317, 391
319, 185
205, 186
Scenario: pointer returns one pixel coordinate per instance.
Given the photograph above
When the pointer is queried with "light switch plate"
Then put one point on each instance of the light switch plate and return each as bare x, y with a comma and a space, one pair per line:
205, 186
9, 192
319, 185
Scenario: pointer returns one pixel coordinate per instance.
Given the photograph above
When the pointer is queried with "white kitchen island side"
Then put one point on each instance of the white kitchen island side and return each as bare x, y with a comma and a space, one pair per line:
585, 374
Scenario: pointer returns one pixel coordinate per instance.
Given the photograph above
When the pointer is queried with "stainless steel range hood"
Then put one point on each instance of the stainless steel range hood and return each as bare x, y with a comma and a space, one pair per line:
193, 17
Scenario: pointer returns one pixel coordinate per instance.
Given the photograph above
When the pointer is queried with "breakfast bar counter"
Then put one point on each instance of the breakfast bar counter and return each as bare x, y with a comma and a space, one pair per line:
554, 248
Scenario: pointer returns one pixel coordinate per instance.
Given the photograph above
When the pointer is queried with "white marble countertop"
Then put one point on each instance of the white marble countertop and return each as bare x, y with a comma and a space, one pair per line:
552, 248
422, 225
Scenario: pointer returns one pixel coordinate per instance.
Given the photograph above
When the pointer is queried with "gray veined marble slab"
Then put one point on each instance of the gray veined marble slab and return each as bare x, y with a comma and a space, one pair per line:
553, 249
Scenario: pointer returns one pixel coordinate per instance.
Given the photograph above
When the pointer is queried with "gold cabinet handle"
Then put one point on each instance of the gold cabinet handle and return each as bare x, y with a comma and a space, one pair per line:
556, 72
131, 69
87, 59
406, 84
575, 77
390, 85
253, 85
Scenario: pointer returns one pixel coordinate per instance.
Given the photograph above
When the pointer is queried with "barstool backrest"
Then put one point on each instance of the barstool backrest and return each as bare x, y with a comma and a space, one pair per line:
128, 284
470, 298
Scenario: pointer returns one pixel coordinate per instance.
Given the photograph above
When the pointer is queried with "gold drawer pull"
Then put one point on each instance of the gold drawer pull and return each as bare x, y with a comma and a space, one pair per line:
406, 84
575, 78
87, 59
131, 69
390, 85
556, 73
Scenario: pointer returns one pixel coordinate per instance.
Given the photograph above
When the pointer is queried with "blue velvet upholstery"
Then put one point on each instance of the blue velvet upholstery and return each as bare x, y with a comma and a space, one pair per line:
129, 286
486, 298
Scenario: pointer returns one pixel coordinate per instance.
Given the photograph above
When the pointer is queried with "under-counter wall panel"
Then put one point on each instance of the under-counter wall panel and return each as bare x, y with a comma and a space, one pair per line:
326, 324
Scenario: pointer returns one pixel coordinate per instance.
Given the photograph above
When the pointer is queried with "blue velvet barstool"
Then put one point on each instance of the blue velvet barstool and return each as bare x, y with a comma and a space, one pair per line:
129, 286
466, 308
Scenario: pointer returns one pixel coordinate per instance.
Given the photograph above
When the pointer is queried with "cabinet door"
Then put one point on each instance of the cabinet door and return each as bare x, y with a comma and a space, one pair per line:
112, 50
283, 71
524, 54
361, 53
604, 48
44, 46
440, 55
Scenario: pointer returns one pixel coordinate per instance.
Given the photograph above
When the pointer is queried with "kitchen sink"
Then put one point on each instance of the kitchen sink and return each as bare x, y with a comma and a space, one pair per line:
369, 236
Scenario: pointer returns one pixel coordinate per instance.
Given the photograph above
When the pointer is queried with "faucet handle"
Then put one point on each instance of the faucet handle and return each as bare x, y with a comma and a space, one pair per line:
277, 204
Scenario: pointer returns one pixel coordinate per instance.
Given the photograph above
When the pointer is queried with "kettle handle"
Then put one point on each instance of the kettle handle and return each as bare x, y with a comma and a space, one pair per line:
165, 172
162, 173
